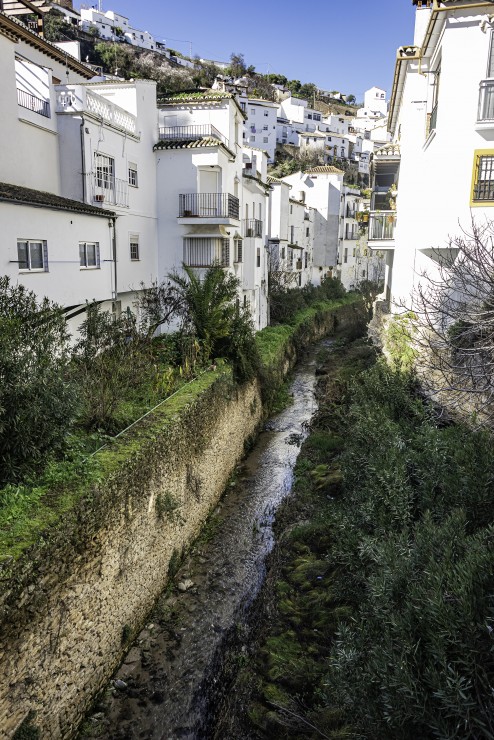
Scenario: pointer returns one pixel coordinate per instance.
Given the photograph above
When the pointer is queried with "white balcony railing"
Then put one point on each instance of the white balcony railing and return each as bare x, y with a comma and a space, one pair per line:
77, 98
108, 192
382, 225
486, 101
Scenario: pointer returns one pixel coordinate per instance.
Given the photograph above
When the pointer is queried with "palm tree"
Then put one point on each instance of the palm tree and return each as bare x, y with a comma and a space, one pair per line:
207, 304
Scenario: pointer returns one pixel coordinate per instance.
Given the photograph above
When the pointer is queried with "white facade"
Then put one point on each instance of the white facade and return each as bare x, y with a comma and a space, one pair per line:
321, 188
375, 101
111, 25
106, 133
260, 125
442, 185
212, 196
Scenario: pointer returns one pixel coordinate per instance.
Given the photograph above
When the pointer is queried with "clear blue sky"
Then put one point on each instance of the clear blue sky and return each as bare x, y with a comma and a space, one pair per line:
348, 45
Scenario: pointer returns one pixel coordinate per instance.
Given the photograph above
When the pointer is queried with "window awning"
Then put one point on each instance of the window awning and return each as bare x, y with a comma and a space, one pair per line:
212, 231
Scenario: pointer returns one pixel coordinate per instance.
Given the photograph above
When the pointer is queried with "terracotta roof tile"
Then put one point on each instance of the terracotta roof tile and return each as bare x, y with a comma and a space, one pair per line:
28, 196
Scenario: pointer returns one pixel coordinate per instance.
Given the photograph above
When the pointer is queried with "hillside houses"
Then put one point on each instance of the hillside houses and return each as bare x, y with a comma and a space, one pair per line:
127, 187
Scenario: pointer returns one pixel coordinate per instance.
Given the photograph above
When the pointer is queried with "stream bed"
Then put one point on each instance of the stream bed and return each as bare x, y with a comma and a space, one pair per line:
174, 678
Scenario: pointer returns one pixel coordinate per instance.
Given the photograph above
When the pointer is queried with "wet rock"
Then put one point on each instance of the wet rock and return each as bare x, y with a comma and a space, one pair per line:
119, 684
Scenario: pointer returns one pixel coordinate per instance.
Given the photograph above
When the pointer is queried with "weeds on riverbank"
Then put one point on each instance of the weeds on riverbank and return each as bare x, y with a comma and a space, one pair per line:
383, 624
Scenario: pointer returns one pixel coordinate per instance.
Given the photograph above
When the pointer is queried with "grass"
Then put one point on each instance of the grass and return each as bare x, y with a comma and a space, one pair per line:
27, 510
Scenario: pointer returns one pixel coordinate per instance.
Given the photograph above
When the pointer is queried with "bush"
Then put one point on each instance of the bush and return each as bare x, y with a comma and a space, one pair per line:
37, 400
111, 364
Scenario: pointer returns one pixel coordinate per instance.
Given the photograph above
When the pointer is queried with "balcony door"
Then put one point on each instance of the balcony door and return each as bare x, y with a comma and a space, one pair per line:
209, 192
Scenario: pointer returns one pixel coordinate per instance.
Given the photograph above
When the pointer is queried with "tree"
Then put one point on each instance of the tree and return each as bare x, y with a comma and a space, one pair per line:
37, 400
308, 91
454, 330
210, 310
237, 66
351, 99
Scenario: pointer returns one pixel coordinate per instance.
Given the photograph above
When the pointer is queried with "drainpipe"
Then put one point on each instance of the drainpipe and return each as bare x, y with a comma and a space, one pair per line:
113, 237
83, 157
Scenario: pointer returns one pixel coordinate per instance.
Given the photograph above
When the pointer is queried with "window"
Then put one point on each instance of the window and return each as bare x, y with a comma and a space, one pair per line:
435, 97
266, 114
258, 258
89, 254
134, 247
238, 244
265, 128
483, 177
206, 251
252, 111
105, 171
307, 231
32, 254
133, 174
282, 253
306, 259
345, 255
265, 140
292, 234
252, 138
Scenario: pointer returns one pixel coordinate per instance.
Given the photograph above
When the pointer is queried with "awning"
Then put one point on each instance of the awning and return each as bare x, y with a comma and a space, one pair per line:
211, 231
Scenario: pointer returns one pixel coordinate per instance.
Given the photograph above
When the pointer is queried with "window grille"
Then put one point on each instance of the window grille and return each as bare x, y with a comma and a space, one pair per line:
484, 178
134, 247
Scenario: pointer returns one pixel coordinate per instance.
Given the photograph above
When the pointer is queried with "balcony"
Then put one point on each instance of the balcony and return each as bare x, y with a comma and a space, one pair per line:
382, 229
79, 99
106, 191
32, 102
222, 207
253, 228
191, 133
485, 113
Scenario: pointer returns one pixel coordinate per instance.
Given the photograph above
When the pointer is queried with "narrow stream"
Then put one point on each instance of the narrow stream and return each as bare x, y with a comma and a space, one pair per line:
168, 686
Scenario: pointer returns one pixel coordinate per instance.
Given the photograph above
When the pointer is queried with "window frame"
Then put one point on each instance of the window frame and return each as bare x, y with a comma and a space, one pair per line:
132, 174
97, 260
134, 241
477, 155
44, 255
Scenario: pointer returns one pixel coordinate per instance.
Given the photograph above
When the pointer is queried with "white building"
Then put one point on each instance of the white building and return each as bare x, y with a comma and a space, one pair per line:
111, 25
260, 125
106, 133
221, 201
437, 101
54, 245
375, 101
321, 189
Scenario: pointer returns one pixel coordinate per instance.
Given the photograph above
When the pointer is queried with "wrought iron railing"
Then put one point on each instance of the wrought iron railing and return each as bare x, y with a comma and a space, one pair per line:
181, 133
382, 225
110, 190
486, 101
32, 102
208, 205
252, 227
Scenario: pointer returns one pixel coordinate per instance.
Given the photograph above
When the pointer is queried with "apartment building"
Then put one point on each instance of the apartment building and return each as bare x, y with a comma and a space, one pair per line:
212, 194
438, 100
53, 243
321, 188
260, 124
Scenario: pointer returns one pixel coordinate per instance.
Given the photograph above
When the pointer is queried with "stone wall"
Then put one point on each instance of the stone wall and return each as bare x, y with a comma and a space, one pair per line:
72, 602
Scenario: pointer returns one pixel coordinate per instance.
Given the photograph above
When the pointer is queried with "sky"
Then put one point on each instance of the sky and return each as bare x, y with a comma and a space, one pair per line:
345, 45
